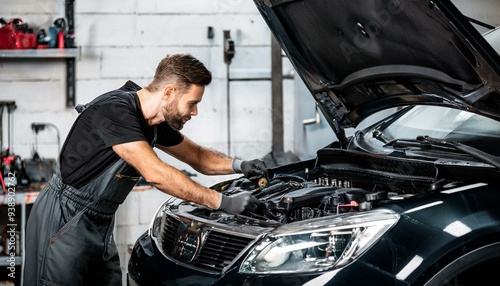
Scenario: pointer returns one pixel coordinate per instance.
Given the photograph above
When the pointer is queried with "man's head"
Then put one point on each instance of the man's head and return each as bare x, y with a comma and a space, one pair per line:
181, 79
181, 70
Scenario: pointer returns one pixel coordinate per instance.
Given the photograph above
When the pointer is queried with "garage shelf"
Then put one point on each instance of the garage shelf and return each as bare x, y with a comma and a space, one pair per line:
73, 53
69, 55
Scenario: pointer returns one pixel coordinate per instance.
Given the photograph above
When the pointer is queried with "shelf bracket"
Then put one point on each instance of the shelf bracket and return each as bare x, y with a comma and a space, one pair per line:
70, 82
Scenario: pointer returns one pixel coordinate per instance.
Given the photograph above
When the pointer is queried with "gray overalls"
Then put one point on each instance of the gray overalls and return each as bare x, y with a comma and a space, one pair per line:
69, 236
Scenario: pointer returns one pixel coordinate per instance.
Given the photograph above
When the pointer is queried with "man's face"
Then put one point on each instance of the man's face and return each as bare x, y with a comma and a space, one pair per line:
180, 107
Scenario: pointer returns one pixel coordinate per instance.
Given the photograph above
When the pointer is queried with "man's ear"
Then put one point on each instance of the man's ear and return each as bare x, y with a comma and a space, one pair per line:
168, 91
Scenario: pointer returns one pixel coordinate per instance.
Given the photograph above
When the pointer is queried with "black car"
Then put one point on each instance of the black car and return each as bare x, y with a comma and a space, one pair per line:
413, 199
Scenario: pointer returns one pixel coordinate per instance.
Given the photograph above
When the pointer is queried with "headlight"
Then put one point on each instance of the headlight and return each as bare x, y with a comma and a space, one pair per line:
319, 244
158, 220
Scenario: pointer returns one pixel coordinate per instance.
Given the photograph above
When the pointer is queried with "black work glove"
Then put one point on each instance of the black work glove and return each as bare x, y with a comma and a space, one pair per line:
239, 203
251, 168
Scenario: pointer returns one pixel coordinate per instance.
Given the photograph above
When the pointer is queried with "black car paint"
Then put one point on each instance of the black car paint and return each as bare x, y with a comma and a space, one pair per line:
417, 232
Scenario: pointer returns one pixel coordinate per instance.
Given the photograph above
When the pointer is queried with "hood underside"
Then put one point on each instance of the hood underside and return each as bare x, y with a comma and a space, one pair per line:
358, 57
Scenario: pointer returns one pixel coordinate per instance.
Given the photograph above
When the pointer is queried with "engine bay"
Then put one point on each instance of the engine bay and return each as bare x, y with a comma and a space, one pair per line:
337, 181
289, 199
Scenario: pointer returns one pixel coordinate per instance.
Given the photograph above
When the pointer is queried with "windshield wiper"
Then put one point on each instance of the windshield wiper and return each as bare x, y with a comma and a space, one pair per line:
431, 142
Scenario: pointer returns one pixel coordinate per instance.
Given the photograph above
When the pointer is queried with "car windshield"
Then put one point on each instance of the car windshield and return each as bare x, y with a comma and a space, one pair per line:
444, 123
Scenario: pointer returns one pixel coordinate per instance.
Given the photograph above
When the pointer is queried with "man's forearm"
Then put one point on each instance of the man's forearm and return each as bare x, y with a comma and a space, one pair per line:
165, 177
213, 162
173, 182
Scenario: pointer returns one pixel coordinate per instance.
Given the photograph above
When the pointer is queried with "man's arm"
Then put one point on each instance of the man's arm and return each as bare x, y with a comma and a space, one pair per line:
204, 160
167, 178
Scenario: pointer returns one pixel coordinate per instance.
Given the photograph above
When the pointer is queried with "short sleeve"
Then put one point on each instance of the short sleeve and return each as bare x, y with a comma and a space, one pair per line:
118, 123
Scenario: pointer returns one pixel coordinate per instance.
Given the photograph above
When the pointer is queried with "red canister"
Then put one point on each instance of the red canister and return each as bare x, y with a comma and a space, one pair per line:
60, 40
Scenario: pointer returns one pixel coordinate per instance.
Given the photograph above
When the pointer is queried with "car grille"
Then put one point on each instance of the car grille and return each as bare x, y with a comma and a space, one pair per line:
169, 234
217, 251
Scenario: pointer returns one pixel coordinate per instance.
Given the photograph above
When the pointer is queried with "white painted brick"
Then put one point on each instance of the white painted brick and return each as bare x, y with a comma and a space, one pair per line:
247, 62
250, 150
32, 70
88, 67
150, 201
87, 90
35, 13
107, 7
134, 232
140, 62
128, 212
120, 233
209, 129
197, 7
105, 30
173, 30
182, 30
130, 62
36, 96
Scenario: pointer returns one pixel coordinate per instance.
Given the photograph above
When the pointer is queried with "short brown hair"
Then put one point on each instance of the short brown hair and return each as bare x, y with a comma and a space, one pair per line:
181, 69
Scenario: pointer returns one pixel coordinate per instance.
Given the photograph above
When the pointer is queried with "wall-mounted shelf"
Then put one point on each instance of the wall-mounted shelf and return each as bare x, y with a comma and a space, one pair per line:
73, 53
69, 55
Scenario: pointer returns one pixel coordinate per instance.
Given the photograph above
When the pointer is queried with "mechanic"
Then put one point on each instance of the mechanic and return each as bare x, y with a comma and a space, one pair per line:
69, 231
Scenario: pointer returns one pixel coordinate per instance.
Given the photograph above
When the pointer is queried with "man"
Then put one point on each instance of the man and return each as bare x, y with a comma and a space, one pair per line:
69, 231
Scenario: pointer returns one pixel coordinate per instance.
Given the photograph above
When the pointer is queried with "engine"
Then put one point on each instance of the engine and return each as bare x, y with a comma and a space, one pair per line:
338, 181
285, 199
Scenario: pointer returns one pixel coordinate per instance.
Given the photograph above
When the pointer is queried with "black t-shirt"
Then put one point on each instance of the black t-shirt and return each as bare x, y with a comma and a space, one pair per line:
114, 120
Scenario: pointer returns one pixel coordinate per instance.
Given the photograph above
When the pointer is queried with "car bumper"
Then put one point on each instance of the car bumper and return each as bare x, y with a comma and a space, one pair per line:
147, 266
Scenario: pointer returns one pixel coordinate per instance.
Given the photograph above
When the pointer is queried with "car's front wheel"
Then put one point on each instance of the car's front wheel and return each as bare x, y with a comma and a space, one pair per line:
477, 267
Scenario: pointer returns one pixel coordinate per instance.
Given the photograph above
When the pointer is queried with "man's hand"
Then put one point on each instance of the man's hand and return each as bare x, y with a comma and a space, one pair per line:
251, 168
239, 203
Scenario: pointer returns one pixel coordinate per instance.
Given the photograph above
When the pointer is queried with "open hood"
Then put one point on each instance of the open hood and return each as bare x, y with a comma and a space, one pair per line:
358, 57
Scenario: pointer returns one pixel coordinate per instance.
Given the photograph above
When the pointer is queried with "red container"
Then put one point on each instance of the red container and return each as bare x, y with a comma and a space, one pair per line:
11, 38
60, 40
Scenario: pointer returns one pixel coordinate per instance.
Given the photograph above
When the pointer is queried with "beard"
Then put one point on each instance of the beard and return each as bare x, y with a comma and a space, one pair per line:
173, 117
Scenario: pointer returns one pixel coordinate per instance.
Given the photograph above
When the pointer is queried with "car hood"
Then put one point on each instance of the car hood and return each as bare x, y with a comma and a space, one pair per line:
358, 57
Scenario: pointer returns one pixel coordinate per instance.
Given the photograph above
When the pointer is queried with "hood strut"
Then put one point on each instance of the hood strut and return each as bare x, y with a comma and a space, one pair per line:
340, 132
